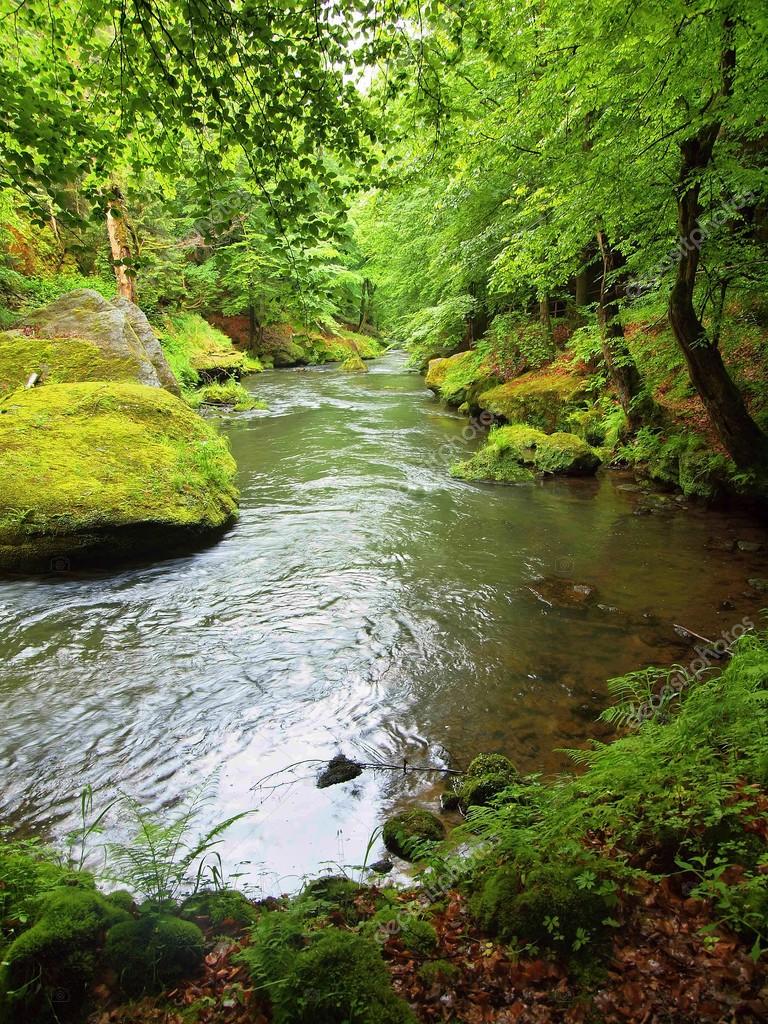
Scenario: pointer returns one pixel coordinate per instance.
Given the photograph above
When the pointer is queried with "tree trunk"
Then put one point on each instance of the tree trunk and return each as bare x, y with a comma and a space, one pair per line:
544, 316
122, 245
743, 439
582, 288
622, 368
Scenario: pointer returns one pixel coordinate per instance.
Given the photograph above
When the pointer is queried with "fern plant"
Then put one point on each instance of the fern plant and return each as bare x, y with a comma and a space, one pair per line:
164, 859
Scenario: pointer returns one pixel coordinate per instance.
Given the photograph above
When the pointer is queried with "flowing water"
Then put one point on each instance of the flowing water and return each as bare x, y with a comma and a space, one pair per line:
365, 602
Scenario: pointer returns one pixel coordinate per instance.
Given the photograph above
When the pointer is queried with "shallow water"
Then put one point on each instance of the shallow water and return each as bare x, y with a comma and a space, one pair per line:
365, 602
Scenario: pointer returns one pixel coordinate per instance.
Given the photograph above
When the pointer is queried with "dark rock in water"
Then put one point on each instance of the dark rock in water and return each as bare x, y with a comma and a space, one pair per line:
383, 866
721, 544
449, 801
562, 593
749, 547
727, 605
759, 584
339, 769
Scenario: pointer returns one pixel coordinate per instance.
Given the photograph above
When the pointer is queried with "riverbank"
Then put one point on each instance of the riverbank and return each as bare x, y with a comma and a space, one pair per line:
521, 378
565, 905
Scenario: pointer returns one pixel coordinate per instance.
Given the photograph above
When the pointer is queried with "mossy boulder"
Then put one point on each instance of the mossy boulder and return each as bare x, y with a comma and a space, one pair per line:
85, 315
48, 968
221, 909
335, 893
153, 952
514, 453
94, 471
354, 364
57, 361
543, 398
229, 394
461, 378
337, 976
404, 833
546, 904
486, 777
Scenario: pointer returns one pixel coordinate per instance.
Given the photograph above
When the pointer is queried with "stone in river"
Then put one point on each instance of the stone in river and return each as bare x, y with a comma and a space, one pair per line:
562, 593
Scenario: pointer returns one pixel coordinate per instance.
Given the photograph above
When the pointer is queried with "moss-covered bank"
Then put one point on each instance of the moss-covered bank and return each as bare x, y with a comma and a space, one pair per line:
93, 469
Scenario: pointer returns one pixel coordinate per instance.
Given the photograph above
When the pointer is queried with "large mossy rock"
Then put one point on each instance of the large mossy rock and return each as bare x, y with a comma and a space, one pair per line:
98, 470
354, 364
406, 833
153, 952
460, 378
513, 454
47, 970
487, 776
85, 315
546, 904
336, 976
143, 331
542, 398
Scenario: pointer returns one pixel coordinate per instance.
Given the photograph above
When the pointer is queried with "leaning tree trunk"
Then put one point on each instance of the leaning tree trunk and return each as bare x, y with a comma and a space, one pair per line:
743, 439
625, 377
122, 245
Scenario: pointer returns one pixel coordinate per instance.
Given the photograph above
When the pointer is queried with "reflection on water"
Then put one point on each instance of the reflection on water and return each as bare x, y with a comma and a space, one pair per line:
364, 602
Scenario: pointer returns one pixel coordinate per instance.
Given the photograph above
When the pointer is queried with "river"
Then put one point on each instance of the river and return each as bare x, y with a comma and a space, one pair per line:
365, 602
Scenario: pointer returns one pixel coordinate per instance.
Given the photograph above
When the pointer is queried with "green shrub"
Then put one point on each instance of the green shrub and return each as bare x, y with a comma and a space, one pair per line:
333, 893
48, 967
153, 952
406, 833
329, 977
219, 908
547, 906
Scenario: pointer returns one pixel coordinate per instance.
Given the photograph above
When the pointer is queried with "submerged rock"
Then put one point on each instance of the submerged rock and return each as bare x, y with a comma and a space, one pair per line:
512, 454
339, 769
562, 593
95, 471
86, 316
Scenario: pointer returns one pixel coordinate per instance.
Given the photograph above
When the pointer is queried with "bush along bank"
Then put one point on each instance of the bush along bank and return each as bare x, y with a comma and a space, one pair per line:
634, 890
667, 439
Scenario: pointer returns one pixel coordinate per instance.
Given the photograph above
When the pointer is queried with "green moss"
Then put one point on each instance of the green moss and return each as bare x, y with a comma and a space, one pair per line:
491, 463
83, 461
547, 906
543, 398
48, 967
354, 364
404, 833
461, 378
221, 908
154, 952
682, 460
510, 453
336, 894
418, 935
333, 976
485, 764
227, 393
438, 972
58, 361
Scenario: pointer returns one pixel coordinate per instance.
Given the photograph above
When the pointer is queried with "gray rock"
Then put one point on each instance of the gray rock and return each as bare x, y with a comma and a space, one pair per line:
143, 331
383, 866
749, 547
86, 314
